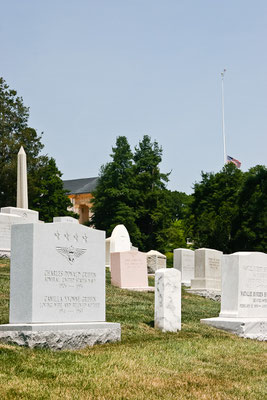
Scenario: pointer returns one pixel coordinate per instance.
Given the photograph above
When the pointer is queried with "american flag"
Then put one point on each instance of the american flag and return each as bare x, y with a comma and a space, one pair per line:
233, 160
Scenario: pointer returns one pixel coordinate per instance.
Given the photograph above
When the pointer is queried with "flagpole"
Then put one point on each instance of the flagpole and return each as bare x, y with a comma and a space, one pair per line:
223, 125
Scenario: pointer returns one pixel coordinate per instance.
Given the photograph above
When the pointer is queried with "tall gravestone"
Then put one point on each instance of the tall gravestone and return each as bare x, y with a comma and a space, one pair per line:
184, 261
244, 295
168, 299
208, 263
57, 287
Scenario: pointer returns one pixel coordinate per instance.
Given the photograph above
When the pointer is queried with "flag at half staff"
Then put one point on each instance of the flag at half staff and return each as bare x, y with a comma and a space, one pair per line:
233, 160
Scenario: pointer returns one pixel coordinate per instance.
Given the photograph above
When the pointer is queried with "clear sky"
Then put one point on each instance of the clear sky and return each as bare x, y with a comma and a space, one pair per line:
91, 70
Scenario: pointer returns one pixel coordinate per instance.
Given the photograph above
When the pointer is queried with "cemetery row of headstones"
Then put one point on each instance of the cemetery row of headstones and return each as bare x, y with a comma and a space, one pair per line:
57, 289
239, 280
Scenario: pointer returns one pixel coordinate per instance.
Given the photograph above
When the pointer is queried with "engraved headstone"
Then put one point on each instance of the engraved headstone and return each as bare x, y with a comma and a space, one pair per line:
244, 295
207, 270
184, 261
129, 270
155, 261
168, 299
58, 285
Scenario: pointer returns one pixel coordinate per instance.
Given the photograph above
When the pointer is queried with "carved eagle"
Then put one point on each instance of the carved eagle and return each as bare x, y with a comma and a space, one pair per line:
70, 253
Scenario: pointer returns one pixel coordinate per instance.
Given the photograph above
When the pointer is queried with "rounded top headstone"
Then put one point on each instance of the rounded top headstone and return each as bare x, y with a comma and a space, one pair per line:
120, 239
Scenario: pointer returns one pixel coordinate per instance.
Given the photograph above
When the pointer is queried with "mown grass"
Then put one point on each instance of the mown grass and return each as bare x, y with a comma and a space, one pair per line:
197, 363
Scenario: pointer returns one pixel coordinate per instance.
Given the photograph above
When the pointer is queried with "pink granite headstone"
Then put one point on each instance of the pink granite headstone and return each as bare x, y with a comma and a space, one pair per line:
129, 269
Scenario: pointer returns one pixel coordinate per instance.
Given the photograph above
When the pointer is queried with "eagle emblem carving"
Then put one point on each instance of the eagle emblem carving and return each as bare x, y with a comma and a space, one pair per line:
71, 253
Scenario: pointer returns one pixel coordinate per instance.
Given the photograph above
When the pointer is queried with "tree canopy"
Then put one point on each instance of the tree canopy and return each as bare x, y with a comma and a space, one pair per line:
45, 188
132, 191
229, 210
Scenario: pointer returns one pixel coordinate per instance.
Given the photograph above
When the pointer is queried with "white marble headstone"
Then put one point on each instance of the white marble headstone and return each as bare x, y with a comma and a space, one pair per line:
184, 261
168, 299
244, 285
29, 216
208, 264
244, 296
10, 216
57, 273
120, 239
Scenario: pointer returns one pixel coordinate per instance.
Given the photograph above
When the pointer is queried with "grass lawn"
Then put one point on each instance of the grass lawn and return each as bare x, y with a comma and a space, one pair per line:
197, 363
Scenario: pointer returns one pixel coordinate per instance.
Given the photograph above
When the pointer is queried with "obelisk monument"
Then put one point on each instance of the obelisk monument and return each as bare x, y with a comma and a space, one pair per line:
22, 184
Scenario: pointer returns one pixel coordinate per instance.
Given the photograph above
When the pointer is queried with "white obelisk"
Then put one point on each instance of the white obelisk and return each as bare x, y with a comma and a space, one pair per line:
22, 184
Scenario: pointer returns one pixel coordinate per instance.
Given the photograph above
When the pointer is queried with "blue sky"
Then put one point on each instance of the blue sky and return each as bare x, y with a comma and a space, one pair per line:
93, 70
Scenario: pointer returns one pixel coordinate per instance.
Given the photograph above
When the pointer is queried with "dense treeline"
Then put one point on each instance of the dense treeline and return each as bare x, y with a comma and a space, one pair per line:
227, 210
45, 186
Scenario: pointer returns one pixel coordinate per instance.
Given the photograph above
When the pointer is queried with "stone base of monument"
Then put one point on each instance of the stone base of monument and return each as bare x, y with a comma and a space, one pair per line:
60, 336
4, 253
140, 289
251, 328
207, 293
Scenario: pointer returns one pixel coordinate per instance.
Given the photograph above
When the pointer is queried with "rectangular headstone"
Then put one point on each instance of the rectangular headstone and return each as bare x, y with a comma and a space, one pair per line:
29, 216
244, 296
244, 285
8, 217
168, 299
57, 273
128, 269
155, 261
184, 261
207, 270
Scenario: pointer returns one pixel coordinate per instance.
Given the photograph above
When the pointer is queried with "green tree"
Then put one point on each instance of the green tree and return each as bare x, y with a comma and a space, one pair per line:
214, 206
15, 132
250, 223
175, 231
50, 199
114, 197
150, 206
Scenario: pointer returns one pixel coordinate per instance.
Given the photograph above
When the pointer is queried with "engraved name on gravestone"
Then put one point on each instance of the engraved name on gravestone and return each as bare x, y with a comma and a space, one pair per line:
58, 274
244, 284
